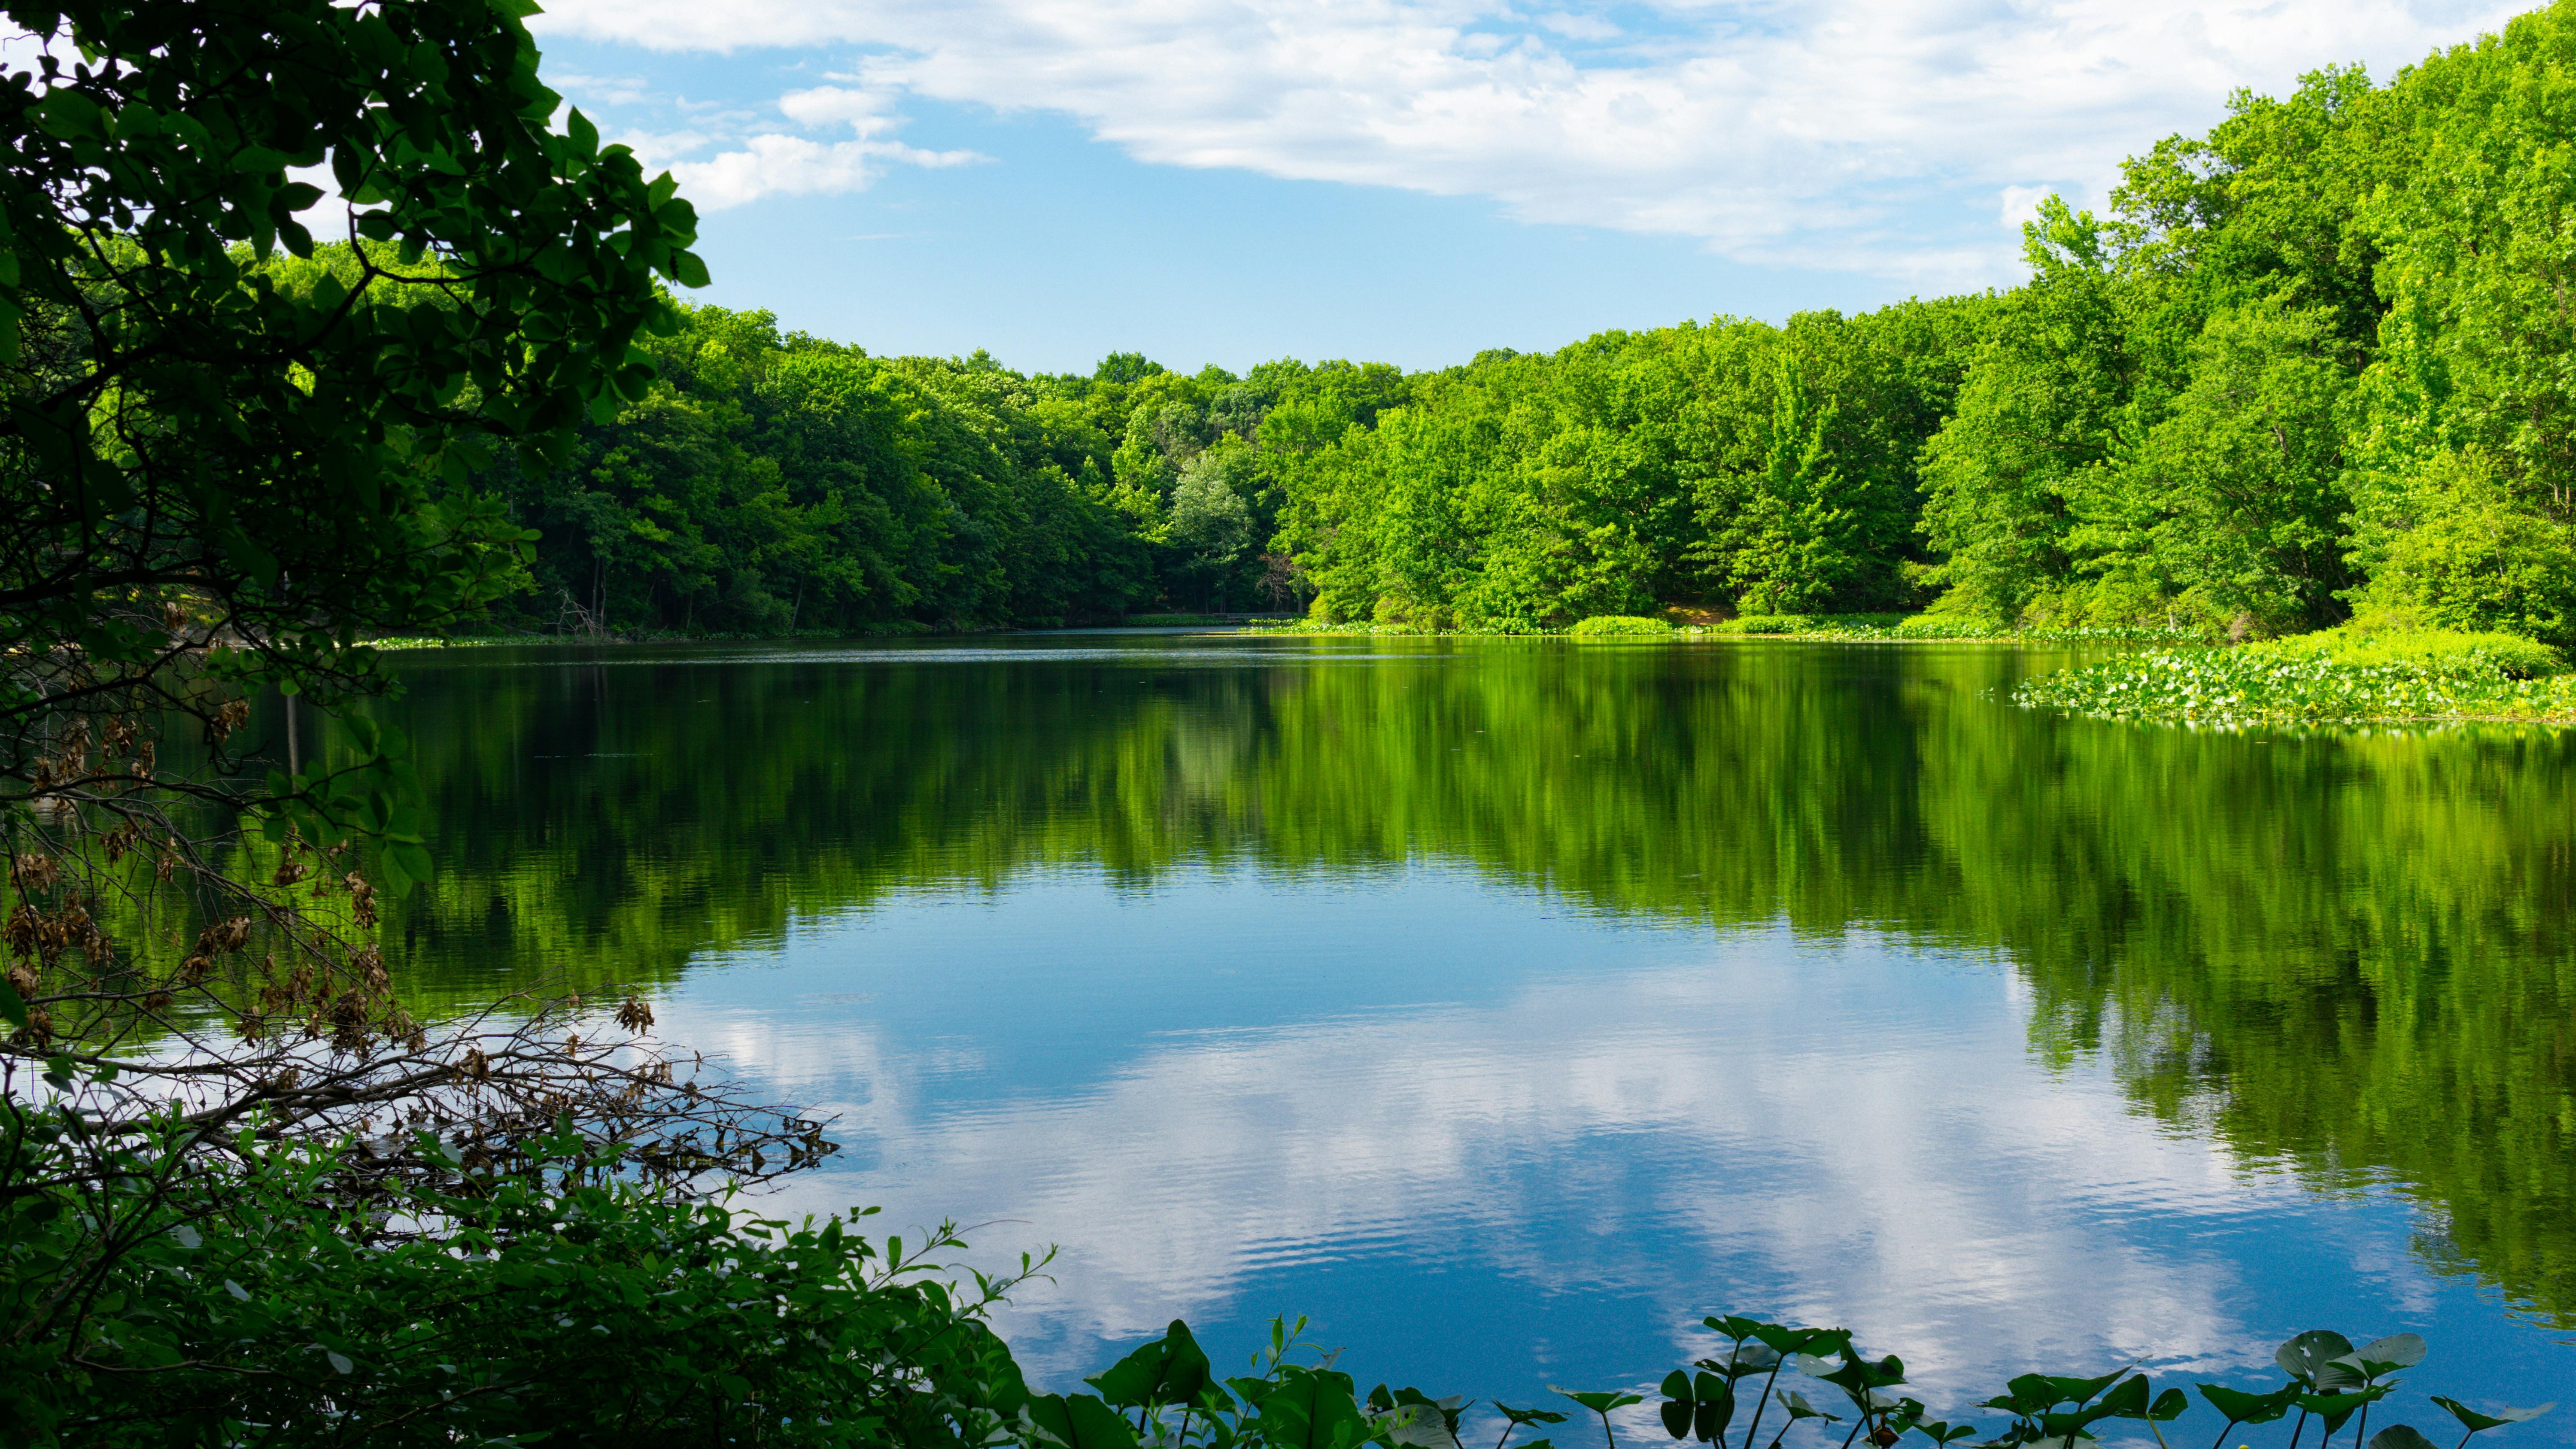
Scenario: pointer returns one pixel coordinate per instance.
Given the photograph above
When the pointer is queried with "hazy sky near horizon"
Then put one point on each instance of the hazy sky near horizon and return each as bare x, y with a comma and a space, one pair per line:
1405, 180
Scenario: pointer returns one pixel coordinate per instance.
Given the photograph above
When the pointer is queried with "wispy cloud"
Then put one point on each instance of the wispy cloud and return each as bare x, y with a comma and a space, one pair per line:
793, 165
1875, 134
750, 162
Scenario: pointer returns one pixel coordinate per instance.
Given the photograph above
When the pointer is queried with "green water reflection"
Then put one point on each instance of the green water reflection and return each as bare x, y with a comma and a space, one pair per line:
2349, 955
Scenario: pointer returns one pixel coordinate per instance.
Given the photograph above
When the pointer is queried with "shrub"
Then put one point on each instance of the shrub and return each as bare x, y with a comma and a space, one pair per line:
1950, 626
260, 1303
1821, 626
1603, 626
2362, 643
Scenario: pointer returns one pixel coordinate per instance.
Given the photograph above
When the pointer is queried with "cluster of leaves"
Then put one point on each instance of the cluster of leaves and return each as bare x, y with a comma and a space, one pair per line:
229, 453
226, 455
262, 1298
2322, 679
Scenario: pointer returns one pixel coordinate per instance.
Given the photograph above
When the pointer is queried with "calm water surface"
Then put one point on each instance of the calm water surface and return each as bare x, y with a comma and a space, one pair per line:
1506, 1006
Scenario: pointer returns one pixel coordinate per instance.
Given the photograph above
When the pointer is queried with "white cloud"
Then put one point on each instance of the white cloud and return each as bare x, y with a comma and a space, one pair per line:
773, 164
2021, 204
1840, 133
1579, 27
838, 105
600, 90
1942, 1192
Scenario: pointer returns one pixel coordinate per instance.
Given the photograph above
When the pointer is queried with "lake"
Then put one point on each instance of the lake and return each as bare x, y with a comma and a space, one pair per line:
1505, 1006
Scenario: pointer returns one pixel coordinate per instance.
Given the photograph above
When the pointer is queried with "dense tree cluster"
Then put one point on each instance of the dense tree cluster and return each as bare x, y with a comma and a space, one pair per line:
769, 483
2316, 361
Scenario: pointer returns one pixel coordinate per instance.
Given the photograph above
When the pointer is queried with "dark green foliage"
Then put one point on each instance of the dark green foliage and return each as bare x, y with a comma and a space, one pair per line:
259, 1303
1735, 462
226, 445
770, 484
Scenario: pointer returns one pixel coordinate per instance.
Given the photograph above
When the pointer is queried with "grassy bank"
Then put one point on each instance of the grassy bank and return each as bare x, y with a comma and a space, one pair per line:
2353, 674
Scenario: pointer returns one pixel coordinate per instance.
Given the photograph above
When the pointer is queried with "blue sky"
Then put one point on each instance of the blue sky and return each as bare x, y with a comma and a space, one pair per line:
1406, 180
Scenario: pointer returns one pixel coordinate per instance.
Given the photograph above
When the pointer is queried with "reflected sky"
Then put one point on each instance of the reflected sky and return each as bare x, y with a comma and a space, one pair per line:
1492, 1140
1507, 1006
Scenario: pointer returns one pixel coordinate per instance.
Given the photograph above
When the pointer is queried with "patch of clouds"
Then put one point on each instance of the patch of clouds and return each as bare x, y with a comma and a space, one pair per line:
838, 105
780, 165
603, 90
1842, 133
1579, 27
2021, 204
1940, 1190
727, 156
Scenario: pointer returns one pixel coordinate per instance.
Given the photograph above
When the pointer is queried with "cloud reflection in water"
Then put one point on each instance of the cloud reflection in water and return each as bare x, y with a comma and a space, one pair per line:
1848, 1132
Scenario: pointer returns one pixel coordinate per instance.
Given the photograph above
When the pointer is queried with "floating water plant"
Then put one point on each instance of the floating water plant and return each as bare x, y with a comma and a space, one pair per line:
1164, 1396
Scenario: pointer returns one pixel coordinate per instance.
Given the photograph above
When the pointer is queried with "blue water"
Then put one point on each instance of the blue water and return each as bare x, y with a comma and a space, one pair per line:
1490, 1135
1486, 1140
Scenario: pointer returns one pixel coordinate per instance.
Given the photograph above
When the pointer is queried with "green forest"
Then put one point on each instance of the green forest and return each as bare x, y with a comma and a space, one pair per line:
2317, 362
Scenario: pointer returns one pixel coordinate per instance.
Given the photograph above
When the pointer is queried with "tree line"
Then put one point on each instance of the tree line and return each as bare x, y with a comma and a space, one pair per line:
2317, 361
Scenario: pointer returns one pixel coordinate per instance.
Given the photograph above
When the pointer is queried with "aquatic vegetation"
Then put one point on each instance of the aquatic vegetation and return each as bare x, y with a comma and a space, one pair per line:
1165, 1395
2331, 678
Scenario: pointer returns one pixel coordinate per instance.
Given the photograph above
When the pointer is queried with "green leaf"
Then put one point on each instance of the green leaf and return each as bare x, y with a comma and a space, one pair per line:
1528, 1416
2476, 1422
1709, 1420
1599, 1403
13, 1007
1170, 1370
2400, 1436
1312, 1409
1079, 1422
2335, 1408
2082, 1391
1799, 1408
2387, 1355
2311, 1353
1411, 1419
2128, 1401
2244, 1408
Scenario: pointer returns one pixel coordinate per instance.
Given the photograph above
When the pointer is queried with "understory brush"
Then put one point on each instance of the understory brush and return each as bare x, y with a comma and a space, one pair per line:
2352, 674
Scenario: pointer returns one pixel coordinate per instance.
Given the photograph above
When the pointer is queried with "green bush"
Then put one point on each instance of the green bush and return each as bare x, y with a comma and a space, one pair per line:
1621, 626
1950, 626
2368, 644
270, 1304
1822, 626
